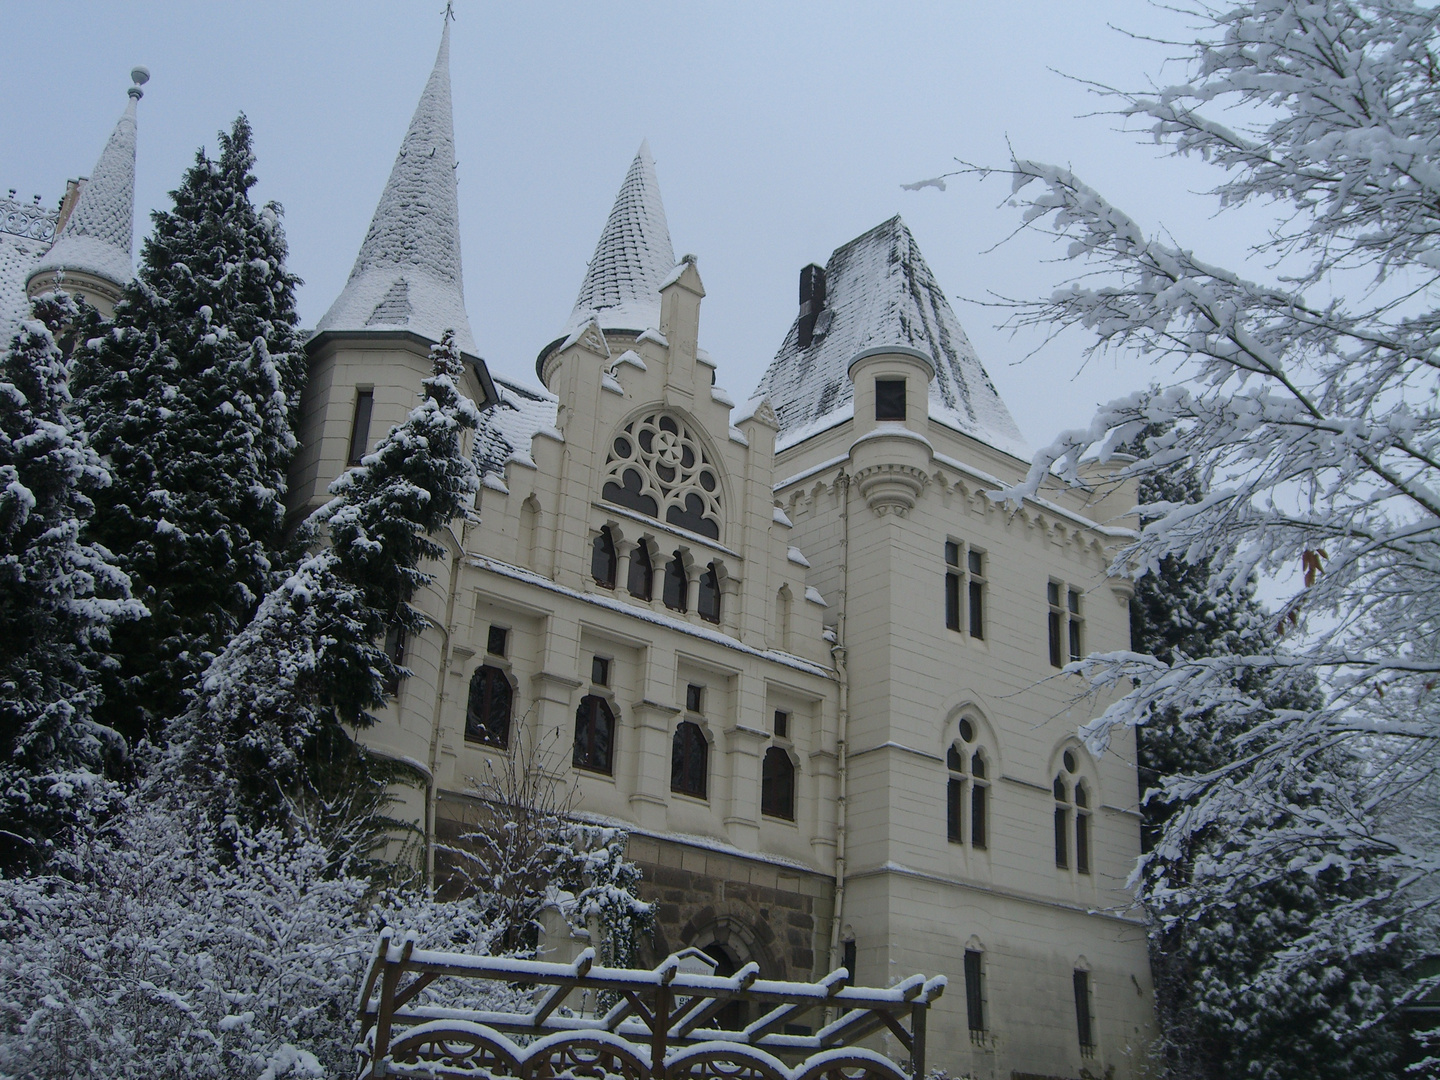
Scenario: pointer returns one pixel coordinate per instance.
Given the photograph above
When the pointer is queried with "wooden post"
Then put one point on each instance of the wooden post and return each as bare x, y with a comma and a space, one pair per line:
658, 1033
917, 1038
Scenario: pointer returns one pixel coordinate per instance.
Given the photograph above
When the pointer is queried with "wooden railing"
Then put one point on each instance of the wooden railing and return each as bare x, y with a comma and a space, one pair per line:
664, 1024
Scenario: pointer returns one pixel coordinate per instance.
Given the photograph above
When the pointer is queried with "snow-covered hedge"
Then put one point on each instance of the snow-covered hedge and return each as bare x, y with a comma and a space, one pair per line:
147, 953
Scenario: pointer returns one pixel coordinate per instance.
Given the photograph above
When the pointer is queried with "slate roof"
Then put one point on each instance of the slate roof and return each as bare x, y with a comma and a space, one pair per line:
622, 285
408, 274
98, 235
879, 291
26, 231
506, 428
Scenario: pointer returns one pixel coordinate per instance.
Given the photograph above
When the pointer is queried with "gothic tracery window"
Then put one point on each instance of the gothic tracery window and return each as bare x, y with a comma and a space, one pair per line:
657, 467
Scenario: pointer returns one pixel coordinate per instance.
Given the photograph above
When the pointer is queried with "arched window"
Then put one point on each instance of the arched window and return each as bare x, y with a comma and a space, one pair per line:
677, 583
1072, 802
707, 603
594, 735
657, 467
602, 558
642, 572
487, 714
967, 789
689, 760
777, 784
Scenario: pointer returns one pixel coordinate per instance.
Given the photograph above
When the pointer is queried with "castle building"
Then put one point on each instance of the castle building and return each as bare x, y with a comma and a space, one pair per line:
785, 639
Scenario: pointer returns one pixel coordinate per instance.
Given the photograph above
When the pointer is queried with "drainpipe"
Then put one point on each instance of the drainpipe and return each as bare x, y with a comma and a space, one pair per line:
431, 792
842, 674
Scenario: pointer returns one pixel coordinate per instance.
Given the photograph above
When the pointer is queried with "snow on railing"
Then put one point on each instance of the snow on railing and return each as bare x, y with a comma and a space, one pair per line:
638, 1017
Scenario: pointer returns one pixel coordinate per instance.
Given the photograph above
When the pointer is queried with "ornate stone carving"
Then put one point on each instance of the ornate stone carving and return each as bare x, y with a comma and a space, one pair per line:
658, 467
891, 488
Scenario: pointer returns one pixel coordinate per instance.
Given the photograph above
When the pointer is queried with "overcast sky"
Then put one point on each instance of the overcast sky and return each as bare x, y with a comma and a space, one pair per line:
779, 130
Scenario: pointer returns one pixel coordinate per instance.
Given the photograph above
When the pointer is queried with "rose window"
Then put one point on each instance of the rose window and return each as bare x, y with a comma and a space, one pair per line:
657, 467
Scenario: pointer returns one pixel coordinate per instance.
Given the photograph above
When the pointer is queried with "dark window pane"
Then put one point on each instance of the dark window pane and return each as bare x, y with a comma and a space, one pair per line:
497, 640
676, 583
953, 761
967, 729
692, 517
889, 399
642, 573
1074, 639
974, 993
600, 671
952, 601
1082, 843
777, 784
594, 735
631, 494
977, 766
977, 610
1062, 845
847, 958
707, 601
360, 426
1062, 793
1081, 797
1055, 658
694, 697
978, 794
602, 559
977, 564
487, 713
395, 650
782, 724
1073, 599
955, 810
1082, 1008
952, 553
689, 755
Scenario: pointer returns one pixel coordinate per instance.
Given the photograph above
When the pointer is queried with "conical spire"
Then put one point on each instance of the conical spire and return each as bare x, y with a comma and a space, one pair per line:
97, 236
407, 275
622, 287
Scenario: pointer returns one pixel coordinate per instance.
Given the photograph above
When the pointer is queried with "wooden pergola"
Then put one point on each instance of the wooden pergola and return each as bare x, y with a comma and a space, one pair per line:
664, 1024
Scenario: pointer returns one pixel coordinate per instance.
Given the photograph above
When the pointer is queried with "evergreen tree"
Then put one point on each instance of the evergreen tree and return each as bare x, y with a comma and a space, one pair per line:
58, 599
269, 729
1223, 906
190, 396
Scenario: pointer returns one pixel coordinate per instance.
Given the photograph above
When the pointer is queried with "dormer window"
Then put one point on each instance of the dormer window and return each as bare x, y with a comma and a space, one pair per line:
889, 399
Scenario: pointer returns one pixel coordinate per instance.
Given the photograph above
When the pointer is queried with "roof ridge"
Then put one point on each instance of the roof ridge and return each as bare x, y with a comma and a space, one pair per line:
415, 232
98, 237
621, 289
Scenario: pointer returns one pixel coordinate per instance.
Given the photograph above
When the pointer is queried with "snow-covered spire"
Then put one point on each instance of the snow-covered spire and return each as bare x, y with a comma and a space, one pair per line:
95, 240
879, 291
621, 289
407, 275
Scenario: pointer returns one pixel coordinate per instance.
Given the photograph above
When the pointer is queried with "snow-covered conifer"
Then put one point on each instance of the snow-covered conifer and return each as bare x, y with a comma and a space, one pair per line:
270, 723
1311, 424
58, 599
189, 395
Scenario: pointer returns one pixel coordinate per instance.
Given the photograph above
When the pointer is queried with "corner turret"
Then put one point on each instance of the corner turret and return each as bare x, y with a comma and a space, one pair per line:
91, 257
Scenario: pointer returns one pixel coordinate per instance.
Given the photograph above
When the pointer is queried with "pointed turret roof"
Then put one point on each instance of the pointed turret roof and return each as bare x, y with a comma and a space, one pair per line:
97, 236
407, 275
879, 291
621, 289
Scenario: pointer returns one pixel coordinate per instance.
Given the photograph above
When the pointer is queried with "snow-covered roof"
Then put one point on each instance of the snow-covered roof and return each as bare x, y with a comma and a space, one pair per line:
880, 292
407, 275
98, 234
26, 231
621, 289
506, 429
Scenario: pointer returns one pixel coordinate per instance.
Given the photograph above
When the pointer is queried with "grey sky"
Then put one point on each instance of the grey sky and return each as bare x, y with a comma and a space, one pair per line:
779, 131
